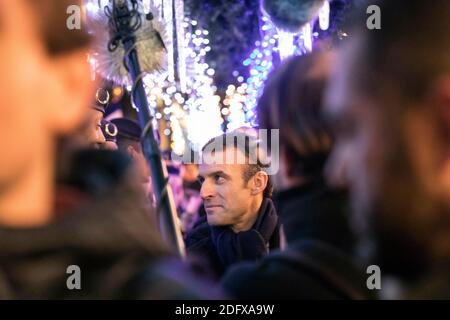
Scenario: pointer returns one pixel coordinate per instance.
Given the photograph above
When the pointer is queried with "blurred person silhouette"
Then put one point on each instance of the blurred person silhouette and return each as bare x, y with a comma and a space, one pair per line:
187, 201
129, 142
45, 90
94, 132
317, 263
191, 207
389, 104
90, 133
241, 222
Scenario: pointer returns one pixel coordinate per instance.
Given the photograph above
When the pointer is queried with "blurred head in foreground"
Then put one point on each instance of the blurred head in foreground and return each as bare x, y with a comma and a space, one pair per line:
292, 103
44, 91
389, 104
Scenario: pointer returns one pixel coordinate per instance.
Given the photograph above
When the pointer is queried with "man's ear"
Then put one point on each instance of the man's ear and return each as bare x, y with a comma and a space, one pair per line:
260, 180
73, 90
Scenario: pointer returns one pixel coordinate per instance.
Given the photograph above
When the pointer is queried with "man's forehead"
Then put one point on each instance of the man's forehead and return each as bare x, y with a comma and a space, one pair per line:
226, 160
224, 155
206, 169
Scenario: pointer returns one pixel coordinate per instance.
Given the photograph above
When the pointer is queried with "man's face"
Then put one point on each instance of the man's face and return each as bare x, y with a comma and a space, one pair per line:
227, 199
372, 156
94, 133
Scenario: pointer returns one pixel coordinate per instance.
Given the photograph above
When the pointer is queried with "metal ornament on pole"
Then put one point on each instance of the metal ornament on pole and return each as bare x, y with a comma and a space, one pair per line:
124, 20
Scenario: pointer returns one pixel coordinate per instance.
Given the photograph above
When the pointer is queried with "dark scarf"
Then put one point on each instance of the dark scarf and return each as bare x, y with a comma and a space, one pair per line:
250, 245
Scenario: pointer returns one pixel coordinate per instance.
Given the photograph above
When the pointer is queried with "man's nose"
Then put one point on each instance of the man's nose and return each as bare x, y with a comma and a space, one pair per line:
207, 190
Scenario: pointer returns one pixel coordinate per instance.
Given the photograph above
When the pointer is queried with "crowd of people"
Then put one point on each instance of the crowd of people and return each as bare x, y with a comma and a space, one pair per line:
360, 134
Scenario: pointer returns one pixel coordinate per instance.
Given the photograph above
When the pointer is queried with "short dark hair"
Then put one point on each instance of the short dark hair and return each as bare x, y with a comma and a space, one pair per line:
251, 150
291, 102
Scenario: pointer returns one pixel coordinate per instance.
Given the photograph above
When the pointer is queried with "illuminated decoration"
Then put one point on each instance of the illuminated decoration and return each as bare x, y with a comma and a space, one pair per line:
203, 120
307, 37
324, 16
184, 101
259, 63
181, 61
234, 107
191, 114
286, 45
275, 46
291, 15
168, 17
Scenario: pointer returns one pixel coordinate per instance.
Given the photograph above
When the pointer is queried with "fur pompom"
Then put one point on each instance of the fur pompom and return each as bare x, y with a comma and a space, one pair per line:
291, 15
151, 41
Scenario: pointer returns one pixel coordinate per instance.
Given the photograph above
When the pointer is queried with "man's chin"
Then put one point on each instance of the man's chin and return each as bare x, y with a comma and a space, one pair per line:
214, 220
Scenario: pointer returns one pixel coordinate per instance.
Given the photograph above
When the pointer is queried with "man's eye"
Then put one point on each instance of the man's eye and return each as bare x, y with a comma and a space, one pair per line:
219, 179
201, 180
